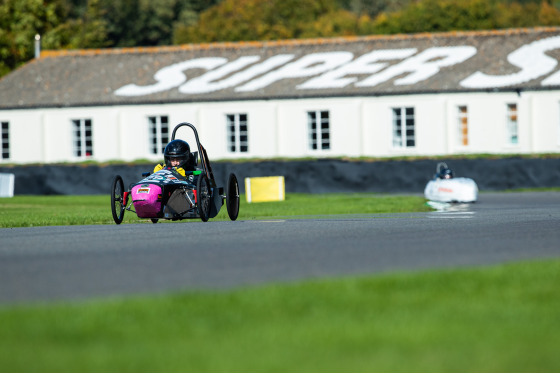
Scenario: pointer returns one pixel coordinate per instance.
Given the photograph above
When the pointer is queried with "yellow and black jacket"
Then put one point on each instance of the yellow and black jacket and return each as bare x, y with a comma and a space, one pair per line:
158, 167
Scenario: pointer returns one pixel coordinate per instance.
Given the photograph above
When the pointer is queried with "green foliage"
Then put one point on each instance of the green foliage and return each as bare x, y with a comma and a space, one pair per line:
275, 19
495, 319
87, 31
148, 22
77, 24
449, 15
373, 8
234, 20
335, 23
439, 15
140, 22
20, 21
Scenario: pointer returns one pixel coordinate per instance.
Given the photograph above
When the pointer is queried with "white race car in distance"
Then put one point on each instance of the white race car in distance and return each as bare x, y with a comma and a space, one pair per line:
445, 188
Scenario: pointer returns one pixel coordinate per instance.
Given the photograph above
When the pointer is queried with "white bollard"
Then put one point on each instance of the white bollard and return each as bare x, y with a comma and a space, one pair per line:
7, 184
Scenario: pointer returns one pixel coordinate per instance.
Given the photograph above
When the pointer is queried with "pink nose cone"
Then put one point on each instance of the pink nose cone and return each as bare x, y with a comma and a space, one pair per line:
146, 199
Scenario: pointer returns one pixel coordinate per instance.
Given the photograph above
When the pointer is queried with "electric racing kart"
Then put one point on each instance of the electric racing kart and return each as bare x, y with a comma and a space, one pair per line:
454, 190
166, 194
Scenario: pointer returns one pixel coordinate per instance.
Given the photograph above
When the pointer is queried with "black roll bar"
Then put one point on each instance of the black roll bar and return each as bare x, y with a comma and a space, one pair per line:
201, 151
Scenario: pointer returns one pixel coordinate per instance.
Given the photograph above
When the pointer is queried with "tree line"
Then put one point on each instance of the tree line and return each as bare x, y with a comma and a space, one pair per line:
77, 24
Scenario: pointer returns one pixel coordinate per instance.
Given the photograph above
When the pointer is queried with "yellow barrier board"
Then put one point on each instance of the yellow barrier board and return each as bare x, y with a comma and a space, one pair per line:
259, 189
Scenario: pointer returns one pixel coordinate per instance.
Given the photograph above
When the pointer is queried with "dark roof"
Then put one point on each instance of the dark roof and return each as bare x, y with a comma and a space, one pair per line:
92, 77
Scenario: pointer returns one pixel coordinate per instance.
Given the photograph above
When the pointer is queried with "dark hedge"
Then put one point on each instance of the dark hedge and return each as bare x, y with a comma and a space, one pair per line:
319, 176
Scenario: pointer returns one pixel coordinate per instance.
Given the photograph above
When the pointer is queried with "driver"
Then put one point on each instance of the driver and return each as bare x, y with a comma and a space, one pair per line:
446, 173
176, 156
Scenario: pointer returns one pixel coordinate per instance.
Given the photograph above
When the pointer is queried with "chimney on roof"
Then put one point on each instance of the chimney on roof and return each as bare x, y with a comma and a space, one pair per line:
37, 46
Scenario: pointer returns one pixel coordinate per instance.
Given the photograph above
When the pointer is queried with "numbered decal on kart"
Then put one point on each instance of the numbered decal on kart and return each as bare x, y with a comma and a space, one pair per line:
163, 177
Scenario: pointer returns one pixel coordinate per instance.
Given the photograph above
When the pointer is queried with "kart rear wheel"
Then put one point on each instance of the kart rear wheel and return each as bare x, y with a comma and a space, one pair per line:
117, 199
203, 197
232, 197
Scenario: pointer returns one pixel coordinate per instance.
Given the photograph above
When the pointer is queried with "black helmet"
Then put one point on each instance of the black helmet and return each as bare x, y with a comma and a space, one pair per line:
446, 173
177, 149
443, 171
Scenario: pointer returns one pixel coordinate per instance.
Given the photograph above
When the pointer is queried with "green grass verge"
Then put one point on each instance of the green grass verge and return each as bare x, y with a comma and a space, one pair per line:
25, 211
497, 319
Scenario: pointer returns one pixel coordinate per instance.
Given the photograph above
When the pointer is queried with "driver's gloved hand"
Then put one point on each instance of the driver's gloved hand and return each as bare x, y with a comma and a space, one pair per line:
180, 171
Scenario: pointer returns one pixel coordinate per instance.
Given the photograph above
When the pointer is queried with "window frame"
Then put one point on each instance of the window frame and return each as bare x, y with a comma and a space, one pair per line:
82, 138
5, 140
512, 124
400, 138
237, 133
462, 126
157, 137
318, 131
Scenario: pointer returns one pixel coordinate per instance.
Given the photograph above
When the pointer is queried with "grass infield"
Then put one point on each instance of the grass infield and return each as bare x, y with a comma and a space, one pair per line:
26, 211
496, 319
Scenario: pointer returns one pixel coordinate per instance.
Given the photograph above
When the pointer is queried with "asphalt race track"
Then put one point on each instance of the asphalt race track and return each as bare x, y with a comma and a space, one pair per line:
77, 262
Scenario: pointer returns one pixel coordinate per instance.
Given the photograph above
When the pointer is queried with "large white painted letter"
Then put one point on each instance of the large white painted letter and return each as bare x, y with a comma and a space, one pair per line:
530, 59
553, 80
207, 82
365, 64
422, 66
309, 65
170, 76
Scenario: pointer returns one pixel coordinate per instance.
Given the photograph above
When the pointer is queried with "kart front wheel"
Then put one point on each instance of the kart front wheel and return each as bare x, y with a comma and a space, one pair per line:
203, 197
117, 199
232, 197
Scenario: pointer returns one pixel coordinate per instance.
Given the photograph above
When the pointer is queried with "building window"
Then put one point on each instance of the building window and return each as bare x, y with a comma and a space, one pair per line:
511, 124
237, 133
462, 126
403, 127
318, 130
83, 138
5, 140
158, 133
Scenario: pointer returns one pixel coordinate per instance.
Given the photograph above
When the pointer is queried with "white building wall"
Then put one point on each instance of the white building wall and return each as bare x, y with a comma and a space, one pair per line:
131, 124
545, 122
345, 127
430, 132
486, 123
487, 119
359, 127
57, 135
26, 135
261, 126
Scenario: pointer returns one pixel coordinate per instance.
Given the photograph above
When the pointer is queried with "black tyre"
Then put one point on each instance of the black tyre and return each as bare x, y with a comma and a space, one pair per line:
154, 220
232, 197
203, 196
117, 199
